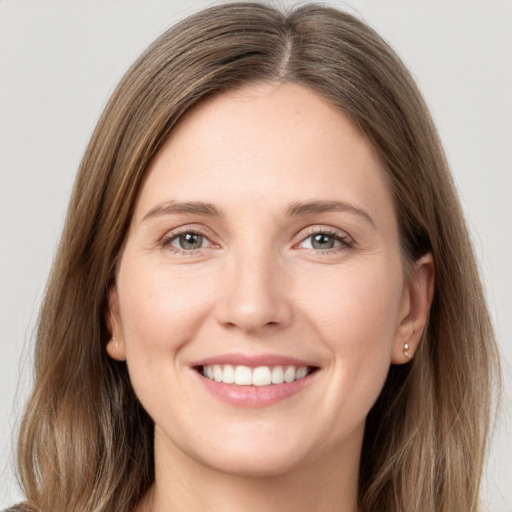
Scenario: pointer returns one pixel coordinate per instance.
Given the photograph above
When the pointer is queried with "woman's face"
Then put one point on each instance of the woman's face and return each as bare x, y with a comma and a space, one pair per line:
260, 297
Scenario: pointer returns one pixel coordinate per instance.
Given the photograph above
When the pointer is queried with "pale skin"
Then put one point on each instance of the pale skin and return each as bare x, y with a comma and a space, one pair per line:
296, 254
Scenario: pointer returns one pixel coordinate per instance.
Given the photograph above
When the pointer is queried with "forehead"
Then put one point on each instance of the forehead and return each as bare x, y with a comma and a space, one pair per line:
267, 143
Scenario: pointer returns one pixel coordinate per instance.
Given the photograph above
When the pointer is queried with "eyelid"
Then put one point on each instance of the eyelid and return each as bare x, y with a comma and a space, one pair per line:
169, 236
342, 236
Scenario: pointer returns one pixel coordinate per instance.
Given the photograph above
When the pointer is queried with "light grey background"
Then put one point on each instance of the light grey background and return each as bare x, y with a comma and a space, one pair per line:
60, 60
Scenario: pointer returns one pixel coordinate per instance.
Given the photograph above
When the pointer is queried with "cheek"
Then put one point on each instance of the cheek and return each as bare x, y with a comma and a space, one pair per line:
356, 317
356, 308
161, 311
160, 308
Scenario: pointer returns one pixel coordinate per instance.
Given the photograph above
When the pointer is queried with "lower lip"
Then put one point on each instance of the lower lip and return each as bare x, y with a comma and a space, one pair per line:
255, 396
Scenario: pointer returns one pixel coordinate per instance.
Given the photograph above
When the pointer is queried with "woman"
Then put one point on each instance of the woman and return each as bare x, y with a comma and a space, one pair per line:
264, 296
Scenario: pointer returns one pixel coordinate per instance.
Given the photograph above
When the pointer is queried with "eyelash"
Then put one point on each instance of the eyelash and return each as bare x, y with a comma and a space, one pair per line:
345, 241
167, 240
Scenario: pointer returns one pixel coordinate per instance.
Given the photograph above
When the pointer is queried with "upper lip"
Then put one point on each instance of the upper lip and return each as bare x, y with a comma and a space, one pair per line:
253, 361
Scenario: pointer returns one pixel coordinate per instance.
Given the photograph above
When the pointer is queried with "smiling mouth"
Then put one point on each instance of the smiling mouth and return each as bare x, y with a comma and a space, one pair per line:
259, 376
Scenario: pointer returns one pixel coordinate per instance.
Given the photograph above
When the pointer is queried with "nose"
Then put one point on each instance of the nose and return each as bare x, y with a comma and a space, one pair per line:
254, 293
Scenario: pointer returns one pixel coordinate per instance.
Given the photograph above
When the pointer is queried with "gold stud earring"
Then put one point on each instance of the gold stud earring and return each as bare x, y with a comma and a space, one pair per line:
406, 351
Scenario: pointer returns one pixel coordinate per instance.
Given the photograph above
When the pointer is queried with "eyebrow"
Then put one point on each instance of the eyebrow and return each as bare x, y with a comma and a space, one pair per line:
297, 208
311, 207
188, 207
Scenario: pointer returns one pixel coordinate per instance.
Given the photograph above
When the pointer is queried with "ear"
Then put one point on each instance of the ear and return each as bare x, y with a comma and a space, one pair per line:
115, 346
414, 310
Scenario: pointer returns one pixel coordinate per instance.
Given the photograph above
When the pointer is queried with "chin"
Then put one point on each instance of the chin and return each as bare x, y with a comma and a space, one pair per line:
253, 466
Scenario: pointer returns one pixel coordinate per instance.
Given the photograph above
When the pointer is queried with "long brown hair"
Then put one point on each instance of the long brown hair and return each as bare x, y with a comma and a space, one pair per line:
86, 443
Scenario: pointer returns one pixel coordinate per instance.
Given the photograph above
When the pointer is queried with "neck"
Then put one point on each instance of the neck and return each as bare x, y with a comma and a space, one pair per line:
326, 484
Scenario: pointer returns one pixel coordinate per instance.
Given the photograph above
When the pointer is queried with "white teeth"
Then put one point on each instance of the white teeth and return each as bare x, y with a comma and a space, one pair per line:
229, 374
289, 374
243, 376
301, 372
217, 372
277, 375
260, 376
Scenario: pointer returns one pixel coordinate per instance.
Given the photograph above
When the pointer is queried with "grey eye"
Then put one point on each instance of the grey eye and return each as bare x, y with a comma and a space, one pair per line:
188, 241
322, 241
